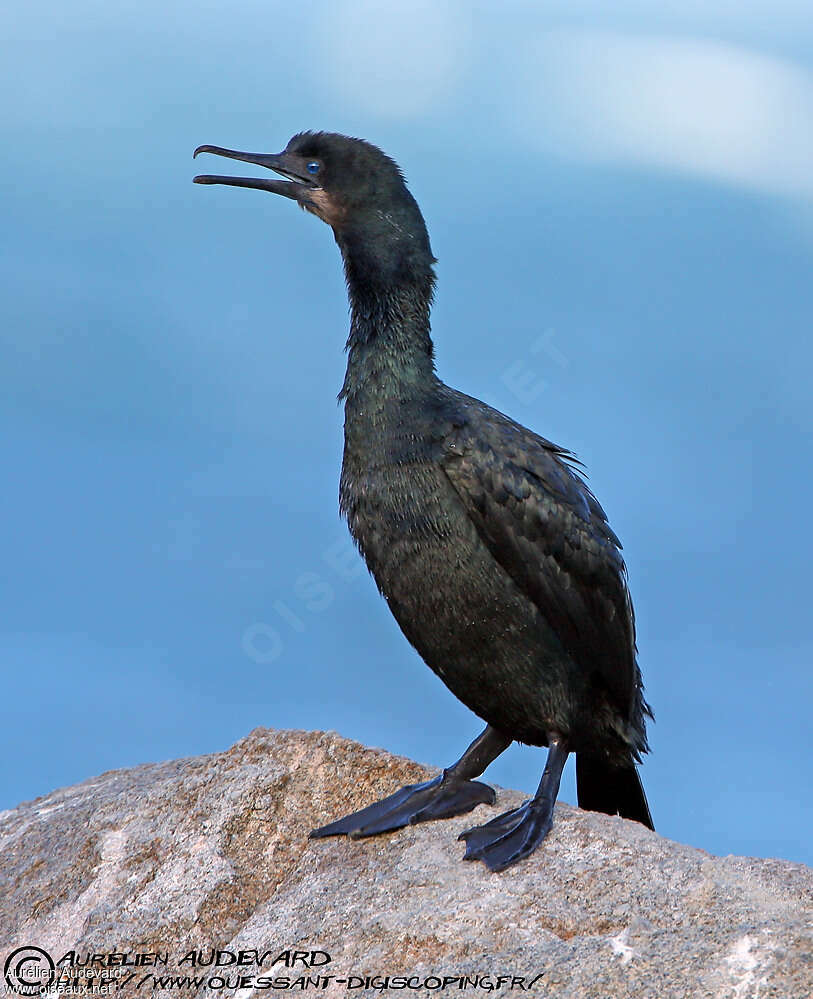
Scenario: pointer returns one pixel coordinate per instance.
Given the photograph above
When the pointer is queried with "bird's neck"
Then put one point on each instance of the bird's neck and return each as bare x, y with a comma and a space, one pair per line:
390, 352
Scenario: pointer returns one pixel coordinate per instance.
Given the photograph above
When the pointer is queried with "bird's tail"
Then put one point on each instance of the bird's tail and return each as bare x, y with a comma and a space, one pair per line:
613, 790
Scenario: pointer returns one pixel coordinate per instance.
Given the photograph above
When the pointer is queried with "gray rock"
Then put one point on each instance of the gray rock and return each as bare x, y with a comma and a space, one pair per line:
212, 853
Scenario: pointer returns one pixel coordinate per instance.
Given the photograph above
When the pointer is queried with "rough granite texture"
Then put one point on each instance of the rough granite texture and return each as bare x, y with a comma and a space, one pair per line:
212, 852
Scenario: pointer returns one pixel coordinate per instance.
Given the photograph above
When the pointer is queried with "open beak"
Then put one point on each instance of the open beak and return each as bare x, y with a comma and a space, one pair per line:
296, 186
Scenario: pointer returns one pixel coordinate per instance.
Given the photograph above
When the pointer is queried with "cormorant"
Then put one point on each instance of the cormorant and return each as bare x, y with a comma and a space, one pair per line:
494, 556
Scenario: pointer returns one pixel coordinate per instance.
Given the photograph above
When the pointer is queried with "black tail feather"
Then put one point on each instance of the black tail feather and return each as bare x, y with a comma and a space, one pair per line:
612, 790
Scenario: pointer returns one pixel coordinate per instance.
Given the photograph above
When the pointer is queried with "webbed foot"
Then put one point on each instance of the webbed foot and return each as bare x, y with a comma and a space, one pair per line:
440, 798
509, 837
516, 834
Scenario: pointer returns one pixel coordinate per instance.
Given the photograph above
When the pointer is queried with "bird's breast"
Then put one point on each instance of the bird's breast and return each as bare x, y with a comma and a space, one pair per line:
453, 602
397, 500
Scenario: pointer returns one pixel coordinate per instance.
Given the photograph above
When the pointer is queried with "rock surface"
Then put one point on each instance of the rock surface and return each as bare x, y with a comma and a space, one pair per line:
212, 853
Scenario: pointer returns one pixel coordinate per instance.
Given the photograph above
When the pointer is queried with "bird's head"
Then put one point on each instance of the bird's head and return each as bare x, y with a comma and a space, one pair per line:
354, 187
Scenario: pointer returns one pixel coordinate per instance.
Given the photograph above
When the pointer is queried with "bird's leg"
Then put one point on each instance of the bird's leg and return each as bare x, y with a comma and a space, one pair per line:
451, 793
516, 834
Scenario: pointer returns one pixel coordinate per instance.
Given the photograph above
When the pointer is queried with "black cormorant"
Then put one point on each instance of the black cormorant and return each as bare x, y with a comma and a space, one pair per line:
491, 551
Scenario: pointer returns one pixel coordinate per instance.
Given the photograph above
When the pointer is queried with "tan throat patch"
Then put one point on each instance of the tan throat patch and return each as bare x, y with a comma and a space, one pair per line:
324, 207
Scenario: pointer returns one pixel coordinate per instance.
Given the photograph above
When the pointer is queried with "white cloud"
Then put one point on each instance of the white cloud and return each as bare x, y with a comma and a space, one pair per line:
688, 105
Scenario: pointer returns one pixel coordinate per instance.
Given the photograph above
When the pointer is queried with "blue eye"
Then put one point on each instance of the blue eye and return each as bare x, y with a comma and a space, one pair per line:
312, 167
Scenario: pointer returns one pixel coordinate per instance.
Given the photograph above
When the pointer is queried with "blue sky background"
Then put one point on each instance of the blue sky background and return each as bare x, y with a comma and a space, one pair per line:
622, 208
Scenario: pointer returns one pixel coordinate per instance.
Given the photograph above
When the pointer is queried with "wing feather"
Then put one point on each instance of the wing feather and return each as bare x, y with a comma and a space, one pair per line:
544, 526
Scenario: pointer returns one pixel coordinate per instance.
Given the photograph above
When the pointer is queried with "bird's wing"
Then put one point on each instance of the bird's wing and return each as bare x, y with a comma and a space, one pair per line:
546, 529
